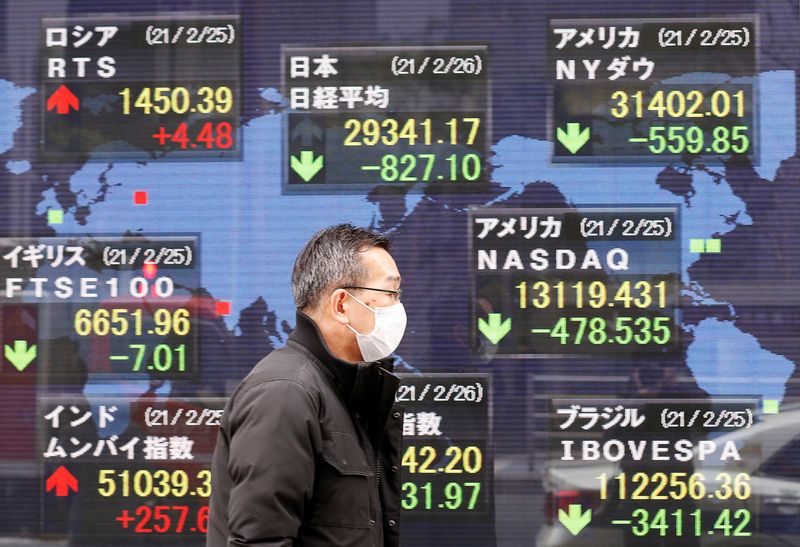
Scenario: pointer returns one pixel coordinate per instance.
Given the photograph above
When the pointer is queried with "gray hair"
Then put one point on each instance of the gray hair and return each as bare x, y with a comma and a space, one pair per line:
331, 259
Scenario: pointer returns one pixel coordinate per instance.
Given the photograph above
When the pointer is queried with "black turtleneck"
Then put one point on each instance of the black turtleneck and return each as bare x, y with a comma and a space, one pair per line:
307, 334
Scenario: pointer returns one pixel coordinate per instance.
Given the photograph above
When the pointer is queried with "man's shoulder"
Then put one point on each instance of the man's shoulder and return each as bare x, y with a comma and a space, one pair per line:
282, 383
286, 365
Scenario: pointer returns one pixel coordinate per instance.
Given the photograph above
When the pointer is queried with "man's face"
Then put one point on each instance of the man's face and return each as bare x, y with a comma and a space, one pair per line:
383, 274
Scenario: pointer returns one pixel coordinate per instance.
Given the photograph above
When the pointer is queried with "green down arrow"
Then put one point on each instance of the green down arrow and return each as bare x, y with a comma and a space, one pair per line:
20, 355
496, 328
573, 138
307, 166
575, 520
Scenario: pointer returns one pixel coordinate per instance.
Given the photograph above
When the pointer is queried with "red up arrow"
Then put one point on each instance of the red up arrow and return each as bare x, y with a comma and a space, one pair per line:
62, 99
62, 480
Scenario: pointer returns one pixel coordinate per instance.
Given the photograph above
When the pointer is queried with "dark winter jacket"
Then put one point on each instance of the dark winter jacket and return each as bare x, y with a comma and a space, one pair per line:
308, 452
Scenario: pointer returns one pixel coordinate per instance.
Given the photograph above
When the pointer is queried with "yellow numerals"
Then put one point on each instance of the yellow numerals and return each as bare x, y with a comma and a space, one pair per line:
177, 100
678, 103
412, 131
592, 294
676, 486
145, 483
121, 322
423, 459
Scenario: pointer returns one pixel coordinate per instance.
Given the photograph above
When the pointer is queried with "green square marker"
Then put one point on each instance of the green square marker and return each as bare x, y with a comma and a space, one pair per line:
713, 245
697, 245
55, 216
771, 406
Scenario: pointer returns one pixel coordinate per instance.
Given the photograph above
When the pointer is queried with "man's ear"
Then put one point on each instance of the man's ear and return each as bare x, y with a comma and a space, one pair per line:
338, 306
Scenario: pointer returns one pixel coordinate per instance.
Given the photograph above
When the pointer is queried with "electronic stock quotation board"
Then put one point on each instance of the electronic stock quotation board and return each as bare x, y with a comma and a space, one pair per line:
601, 341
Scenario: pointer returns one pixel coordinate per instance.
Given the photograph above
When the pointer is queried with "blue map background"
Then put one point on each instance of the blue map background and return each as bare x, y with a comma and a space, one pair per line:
250, 216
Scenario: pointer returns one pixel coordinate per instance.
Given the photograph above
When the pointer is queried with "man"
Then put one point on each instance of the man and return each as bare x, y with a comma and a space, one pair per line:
308, 452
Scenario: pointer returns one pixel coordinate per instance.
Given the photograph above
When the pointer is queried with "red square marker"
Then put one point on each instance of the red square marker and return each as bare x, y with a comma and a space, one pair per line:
149, 270
222, 307
140, 197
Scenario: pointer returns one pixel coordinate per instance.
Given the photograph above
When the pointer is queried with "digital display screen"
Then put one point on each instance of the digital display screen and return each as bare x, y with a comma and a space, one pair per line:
593, 206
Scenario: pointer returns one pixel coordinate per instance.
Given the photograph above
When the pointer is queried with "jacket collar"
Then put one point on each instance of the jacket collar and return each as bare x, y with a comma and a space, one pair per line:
307, 335
359, 382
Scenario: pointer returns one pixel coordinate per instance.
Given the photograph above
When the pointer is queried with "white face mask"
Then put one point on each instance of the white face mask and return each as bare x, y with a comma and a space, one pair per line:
390, 325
